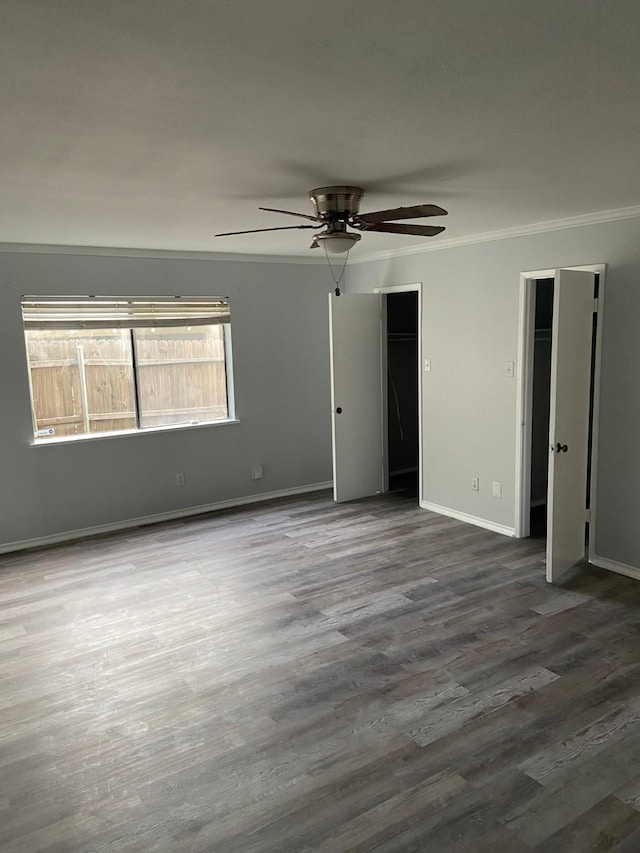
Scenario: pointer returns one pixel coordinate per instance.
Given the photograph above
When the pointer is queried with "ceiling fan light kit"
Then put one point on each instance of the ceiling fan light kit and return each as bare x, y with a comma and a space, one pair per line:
337, 207
335, 244
336, 239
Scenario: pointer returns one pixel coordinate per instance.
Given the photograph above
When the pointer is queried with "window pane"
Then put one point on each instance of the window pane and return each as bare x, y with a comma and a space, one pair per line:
181, 375
81, 381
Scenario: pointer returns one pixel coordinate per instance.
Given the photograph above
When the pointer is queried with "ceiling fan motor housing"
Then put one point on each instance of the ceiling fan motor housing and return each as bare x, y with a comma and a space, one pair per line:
336, 203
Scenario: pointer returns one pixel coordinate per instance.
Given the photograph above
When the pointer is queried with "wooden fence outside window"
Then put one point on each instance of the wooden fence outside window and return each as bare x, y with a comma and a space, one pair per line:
86, 384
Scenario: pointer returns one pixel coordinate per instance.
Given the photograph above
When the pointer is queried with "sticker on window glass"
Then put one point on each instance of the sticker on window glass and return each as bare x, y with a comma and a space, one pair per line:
49, 431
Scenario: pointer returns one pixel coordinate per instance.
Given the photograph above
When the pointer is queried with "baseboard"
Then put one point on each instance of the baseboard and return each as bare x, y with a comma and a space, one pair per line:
614, 566
469, 519
141, 521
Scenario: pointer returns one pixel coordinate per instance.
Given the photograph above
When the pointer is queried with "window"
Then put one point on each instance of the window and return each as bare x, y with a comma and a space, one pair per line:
99, 365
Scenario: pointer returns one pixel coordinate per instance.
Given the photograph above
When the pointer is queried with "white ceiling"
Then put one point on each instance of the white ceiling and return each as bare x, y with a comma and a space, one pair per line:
157, 123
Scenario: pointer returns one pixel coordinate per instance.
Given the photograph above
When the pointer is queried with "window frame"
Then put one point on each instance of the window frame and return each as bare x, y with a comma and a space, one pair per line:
176, 321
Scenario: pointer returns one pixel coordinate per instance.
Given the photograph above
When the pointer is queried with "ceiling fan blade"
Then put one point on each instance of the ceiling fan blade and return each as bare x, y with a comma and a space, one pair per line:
291, 213
416, 230
257, 230
416, 211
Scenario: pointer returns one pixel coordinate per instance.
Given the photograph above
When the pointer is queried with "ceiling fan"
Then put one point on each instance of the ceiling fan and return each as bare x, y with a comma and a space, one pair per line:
335, 208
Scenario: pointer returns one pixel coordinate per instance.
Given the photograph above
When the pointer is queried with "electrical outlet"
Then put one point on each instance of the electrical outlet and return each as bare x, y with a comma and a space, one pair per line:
475, 484
497, 489
256, 472
180, 479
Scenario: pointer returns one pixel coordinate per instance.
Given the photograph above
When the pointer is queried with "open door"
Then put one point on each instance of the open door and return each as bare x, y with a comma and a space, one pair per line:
571, 341
356, 394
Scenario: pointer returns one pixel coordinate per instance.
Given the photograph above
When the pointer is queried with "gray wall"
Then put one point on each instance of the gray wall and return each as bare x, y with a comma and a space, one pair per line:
281, 370
279, 312
470, 328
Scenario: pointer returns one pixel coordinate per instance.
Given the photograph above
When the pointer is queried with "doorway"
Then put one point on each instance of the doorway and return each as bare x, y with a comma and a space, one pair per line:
365, 331
402, 376
541, 398
557, 419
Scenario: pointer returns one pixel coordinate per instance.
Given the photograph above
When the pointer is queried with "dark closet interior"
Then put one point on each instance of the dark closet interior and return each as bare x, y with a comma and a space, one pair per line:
402, 390
541, 400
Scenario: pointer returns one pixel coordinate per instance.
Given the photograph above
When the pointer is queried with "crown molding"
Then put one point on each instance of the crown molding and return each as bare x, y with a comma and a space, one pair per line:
166, 254
467, 240
506, 233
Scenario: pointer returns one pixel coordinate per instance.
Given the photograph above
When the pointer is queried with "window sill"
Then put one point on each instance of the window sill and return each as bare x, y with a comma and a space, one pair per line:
97, 436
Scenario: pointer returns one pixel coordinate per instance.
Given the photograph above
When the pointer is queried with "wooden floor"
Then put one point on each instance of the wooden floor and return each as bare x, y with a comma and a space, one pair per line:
300, 676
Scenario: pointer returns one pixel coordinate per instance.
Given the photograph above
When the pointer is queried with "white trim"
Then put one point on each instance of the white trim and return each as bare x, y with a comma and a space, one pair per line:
100, 436
595, 421
506, 233
82, 533
524, 405
524, 391
166, 254
469, 519
385, 290
399, 288
229, 374
451, 243
384, 396
615, 566
550, 273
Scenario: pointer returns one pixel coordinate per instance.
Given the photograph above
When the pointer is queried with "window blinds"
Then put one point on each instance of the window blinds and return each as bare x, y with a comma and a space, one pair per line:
97, 312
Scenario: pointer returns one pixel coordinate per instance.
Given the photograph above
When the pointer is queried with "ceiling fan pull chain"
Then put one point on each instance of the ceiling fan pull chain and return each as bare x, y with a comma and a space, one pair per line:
333, 275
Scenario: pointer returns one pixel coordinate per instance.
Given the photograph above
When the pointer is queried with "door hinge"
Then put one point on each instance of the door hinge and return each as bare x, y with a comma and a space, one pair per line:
595, 305
587, 515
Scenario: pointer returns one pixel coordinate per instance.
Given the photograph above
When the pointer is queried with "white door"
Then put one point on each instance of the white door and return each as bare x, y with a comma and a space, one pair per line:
571, 340
356, 394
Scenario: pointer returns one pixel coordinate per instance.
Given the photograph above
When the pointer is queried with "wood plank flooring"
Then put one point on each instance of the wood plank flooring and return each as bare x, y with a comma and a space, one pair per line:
301, 677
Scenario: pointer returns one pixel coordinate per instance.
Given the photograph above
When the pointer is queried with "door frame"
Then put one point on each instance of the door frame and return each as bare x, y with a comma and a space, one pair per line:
383, 291
524, 396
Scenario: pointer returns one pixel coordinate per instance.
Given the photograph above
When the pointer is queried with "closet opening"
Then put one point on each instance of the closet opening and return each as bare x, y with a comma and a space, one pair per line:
402, 393
540, 406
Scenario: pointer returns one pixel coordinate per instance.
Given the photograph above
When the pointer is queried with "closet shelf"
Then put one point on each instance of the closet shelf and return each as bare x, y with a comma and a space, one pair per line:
402, 336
